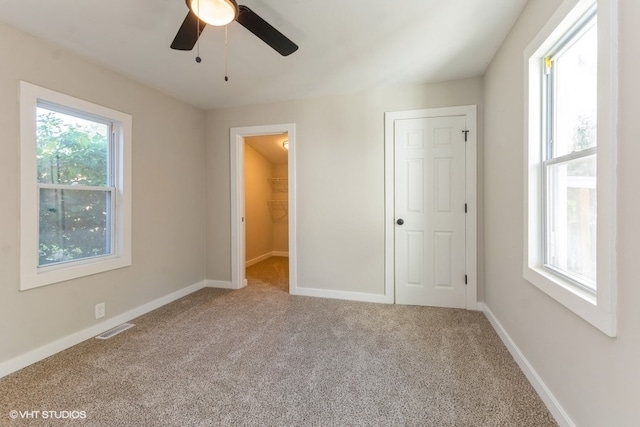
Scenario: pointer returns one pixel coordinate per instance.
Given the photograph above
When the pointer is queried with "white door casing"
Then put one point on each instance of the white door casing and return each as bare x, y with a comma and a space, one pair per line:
238, 243
430, 180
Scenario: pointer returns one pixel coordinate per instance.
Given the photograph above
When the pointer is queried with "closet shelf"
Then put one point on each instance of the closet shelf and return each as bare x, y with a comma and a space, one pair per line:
279, 185
278, 208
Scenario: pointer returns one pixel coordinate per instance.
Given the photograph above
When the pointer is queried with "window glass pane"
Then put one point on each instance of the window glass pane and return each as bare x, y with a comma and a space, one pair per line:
571, 224
71, 150
575, 95
74, 224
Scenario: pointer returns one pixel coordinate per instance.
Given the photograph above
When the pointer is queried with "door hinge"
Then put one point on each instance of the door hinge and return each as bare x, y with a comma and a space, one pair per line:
466, 133
465, 279
465, 208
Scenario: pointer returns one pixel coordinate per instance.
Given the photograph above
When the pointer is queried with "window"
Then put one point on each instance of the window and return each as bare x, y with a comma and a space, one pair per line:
75, 180
570, 181
76, 185
569, 145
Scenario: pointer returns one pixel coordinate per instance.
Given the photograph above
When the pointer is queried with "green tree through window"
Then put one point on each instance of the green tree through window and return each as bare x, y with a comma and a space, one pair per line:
74, 187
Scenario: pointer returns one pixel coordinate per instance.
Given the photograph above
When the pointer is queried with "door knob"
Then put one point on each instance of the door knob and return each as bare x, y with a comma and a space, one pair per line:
400, 221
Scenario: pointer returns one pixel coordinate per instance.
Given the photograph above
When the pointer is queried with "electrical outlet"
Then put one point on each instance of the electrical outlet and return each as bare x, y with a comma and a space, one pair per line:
100, 310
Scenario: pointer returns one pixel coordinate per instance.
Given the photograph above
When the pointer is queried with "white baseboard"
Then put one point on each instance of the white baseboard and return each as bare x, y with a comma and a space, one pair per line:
33, 356
344, 295
220, 284
265, 256
558, 412
257, 259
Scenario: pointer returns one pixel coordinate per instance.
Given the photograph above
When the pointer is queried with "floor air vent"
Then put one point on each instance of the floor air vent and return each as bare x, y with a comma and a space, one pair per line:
115, 331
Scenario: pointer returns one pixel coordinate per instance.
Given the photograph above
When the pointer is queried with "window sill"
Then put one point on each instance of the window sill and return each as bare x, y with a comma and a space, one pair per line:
580, 302
35, 278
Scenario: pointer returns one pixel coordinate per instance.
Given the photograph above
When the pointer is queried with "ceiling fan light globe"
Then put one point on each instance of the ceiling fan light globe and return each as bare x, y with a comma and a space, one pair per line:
215, 12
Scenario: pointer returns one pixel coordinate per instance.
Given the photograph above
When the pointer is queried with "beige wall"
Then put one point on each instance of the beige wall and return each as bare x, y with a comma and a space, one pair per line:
168, 197
258, 223
596, 379
339, 176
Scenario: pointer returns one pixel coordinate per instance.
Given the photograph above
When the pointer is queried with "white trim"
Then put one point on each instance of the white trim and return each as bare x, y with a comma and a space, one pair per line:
470, 112
552, 404
236, 142
601, 310
220, 284
471, 219
263, 257
47, 350
258, 259
30, 275
342, 295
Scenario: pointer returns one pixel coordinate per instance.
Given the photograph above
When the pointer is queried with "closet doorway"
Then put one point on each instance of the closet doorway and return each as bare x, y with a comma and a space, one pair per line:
266, 195
263, 206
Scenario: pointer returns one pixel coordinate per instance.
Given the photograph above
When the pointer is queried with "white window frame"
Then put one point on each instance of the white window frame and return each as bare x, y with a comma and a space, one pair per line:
550, 159
598, 309
31, 275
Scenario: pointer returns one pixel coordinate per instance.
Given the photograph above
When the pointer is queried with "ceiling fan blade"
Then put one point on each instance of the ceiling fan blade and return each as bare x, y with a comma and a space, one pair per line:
188, 33
263, 30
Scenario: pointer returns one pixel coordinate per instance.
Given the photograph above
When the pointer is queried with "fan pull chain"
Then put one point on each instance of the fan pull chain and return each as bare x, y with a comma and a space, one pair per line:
198, 59
226, 54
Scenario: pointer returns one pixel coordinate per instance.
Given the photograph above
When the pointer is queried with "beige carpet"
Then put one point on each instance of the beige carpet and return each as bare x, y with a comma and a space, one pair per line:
260, 357
272, 272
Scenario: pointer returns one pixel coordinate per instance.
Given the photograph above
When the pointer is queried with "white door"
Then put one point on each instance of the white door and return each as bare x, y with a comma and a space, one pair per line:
430, 181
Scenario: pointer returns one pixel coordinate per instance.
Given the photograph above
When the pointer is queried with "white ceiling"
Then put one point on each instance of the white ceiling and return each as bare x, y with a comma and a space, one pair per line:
345, 46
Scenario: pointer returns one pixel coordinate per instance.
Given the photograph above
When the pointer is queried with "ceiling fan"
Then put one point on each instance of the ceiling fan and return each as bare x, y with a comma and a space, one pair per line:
223, 12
